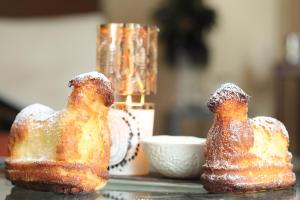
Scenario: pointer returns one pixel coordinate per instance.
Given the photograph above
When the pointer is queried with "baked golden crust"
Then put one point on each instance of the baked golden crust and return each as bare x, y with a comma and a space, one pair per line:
64, 151
257, 178
228, 91
56, 176
244, 155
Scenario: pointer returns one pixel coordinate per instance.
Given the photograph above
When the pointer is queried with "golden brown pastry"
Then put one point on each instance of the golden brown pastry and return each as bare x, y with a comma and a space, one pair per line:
244, 154
64, 151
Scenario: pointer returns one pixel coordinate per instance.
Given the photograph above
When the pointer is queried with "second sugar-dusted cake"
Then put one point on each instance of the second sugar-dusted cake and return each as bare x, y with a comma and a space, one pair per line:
243, 154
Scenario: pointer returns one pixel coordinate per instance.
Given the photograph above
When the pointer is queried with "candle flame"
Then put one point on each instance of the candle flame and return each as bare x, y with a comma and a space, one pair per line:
142, 101
128, 100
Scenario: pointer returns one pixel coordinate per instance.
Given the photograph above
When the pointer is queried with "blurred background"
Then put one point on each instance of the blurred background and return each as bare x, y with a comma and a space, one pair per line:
43, 44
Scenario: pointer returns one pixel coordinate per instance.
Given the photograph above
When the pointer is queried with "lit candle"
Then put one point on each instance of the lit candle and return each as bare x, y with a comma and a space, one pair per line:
129, 123
127, 55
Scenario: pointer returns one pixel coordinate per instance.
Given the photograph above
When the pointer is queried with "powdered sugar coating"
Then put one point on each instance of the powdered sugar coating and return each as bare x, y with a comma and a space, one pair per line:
92, 76
227, 91
37, 112
272, 125
104, 85
223, 177
244, 154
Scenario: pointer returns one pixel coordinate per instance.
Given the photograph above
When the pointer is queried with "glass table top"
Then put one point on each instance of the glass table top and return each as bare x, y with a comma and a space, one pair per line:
123, 188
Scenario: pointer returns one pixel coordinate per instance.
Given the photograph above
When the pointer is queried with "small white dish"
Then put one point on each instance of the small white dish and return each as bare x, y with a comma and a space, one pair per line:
175, 156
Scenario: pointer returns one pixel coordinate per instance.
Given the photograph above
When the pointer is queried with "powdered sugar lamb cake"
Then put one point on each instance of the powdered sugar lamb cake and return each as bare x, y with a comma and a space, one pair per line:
64, 151
242, 154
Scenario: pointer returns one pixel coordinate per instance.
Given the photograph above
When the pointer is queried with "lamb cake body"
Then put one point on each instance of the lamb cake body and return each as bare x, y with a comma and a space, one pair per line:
242, 154
63, 151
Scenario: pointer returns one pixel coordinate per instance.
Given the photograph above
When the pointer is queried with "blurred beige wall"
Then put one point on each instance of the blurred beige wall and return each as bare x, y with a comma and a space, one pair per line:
38, 56
245, 45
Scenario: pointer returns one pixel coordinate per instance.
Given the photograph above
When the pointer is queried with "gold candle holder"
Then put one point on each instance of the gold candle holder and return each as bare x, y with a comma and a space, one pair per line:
127, 55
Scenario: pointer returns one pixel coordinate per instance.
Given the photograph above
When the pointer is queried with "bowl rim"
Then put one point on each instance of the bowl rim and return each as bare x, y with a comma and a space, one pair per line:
174, 140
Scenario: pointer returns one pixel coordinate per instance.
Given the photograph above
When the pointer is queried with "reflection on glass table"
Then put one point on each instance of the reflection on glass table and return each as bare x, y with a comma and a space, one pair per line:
19, 193
123, 188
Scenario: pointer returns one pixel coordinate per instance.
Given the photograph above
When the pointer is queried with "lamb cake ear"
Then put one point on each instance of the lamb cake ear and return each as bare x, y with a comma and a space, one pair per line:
227, 91
104, 86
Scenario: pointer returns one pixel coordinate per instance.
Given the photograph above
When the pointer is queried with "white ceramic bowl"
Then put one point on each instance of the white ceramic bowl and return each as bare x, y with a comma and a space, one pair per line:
175, 156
